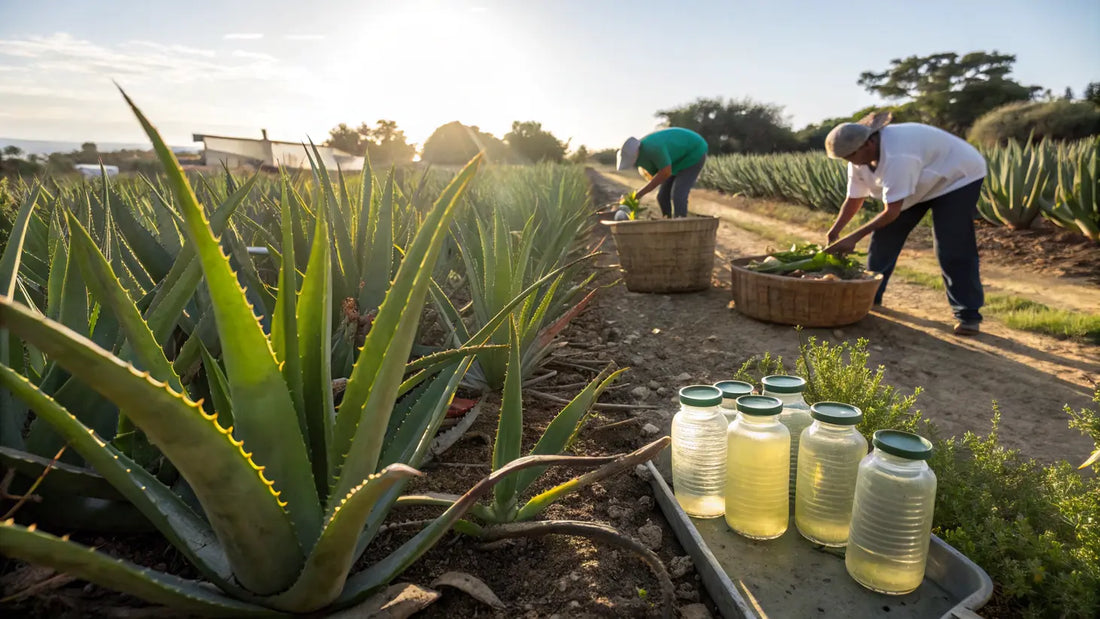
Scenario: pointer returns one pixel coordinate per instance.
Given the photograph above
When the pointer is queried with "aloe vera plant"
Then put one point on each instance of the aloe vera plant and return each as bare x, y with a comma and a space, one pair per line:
1077, 205
1018, 186
291, 488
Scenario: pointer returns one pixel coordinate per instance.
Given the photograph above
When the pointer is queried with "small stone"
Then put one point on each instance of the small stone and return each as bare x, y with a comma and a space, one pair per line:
574, 576
640, 392
649, 429
531, 614
687, 592
695, 611
574, 604
837, 333
528, 607
682, 378
645, 502
637, 361
642, 472
650, 535
662, 354
562, 586
654, 385
662, 391
712, 338
680, 566
88, 588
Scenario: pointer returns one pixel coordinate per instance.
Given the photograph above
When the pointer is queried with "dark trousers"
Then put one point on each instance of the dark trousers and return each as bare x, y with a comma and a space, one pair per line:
956, 247
674, 191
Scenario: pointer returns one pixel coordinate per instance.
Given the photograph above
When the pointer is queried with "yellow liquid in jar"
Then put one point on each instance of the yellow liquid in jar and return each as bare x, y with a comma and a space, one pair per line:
826, 485
757, 477
883, 574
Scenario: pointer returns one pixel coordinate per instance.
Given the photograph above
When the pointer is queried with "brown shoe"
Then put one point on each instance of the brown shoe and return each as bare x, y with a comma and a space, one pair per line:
968, 328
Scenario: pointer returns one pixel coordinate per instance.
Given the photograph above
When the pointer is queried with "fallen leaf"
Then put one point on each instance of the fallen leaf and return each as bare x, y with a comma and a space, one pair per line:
472, 586
396, 602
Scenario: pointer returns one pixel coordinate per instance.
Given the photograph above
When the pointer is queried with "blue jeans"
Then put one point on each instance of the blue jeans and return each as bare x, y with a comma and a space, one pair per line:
956, 247
674, 191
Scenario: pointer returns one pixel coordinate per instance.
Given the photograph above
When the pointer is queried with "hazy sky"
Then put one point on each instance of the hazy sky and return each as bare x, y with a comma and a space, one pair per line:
593, 71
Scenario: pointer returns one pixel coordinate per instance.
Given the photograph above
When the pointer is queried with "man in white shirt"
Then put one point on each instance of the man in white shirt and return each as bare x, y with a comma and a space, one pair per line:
913, 169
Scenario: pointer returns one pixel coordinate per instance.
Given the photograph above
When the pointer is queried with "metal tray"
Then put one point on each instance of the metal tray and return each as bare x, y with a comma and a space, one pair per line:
792, 577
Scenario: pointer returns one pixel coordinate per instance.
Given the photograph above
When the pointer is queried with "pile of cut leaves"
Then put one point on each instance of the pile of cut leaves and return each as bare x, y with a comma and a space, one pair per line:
808, 261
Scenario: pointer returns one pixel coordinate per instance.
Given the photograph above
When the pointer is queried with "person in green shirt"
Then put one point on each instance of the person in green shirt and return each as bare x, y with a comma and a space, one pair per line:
670, 159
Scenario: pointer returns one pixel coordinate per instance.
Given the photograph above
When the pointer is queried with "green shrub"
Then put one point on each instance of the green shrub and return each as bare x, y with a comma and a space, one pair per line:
1034, 528
1056, 120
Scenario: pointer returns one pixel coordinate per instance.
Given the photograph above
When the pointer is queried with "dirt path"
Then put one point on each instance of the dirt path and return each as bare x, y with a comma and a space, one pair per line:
1029, 375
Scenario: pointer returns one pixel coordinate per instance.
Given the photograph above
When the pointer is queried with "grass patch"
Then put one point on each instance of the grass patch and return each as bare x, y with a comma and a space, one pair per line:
1020, 313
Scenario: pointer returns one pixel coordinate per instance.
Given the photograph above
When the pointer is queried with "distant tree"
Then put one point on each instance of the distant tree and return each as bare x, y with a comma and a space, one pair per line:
734, 126
345, 138
88, 153
950, 91
605, 156
1068, 95
386, 144
455, 143
581, 155
530, 141
1092, 92
12, 151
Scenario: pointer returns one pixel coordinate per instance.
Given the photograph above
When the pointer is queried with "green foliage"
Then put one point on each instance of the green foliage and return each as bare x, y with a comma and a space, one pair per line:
1036, 120
1018, 186
808, 258
734, 126
1034, 528
384, 144
534, 144
948, 90
1077, 202
455, 143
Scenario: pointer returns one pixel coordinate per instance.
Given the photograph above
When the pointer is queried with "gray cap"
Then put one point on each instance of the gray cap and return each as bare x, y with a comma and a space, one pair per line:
628, 154
846, 138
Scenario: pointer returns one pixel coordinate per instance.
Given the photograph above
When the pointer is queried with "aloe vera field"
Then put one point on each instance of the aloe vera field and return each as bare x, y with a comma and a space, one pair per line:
445, 374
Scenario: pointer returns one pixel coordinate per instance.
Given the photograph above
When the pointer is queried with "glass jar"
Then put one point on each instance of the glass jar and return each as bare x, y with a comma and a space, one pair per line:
731, 390
759, 452
892, 514
795, 415
699, 452
829, 453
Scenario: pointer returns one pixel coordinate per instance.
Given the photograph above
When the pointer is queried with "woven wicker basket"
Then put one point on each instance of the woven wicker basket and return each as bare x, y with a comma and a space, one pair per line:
806, 302
666, 255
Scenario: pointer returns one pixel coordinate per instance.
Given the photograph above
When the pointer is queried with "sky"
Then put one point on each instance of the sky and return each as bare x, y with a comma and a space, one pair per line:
591, 71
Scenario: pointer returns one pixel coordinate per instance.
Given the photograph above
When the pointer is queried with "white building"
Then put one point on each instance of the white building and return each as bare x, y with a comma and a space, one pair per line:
264, 153
94, 170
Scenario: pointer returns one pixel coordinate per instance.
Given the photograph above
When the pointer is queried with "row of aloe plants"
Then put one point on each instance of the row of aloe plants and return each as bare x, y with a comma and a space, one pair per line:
139, 339
1060, 181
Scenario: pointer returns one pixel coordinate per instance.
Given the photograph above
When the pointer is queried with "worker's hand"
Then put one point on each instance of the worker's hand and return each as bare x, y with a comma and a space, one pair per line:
845, 245
832, 236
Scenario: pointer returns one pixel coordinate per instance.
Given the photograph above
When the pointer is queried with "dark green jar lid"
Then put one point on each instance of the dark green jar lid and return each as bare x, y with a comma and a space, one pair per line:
903, 444
700, 395
734, 388
760, 405
779, 383
836, 413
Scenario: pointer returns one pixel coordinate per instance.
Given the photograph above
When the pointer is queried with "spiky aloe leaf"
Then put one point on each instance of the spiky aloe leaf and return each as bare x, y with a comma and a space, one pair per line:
242, 507
622, 463
563, 429
13, 250
263, 410
414, 423
378, 261
61, 477
376, 377
328, 564
284, 321
509, 439
74, 559
379, 574
314, 333
219, 387
164, 508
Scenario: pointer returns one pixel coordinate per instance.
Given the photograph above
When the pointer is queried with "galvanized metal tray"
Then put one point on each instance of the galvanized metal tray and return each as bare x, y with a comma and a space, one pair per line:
792, 577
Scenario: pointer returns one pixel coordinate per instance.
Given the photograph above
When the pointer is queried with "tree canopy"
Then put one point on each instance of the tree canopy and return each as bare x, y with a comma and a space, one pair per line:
529, 141
384, 143
948, 90
735, 125
455, 143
